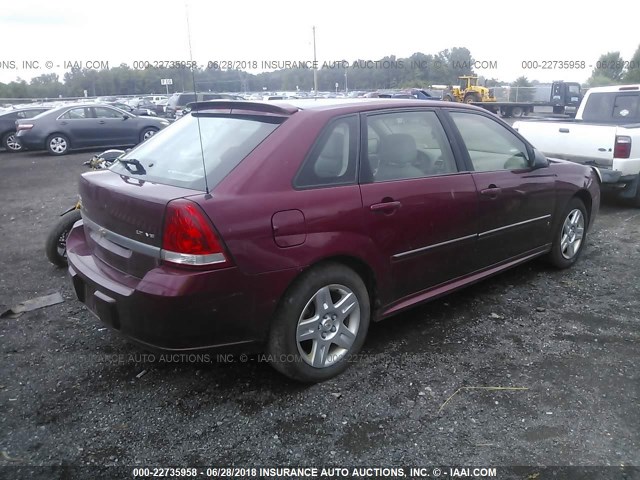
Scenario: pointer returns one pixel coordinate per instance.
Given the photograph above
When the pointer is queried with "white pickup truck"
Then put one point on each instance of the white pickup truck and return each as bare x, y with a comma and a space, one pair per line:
604, 134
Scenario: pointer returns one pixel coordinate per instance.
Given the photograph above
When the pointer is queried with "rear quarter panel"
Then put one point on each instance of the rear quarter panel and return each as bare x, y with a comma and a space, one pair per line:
244, 203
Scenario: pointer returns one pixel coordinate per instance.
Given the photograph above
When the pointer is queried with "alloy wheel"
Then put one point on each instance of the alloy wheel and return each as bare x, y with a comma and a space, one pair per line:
328, 326
572, 234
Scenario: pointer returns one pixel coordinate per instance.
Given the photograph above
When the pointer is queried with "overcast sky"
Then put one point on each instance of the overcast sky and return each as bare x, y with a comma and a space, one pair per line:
505, 32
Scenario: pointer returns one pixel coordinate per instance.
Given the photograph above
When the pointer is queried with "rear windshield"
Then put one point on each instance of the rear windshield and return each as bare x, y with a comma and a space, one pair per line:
613, 107
174, 156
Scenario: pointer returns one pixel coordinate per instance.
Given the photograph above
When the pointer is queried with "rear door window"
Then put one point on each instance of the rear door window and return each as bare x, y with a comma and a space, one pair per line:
404, 145
612, 107
76, 114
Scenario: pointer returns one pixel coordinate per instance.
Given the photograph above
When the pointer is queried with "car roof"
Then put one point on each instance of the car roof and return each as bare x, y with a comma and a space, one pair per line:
335, 105
616, 88
365, 104
21, 109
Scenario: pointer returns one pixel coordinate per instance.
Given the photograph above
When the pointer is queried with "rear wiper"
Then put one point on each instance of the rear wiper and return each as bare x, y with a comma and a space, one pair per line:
139, 170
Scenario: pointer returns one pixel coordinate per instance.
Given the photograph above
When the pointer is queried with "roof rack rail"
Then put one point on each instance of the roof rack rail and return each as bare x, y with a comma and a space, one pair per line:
244, 105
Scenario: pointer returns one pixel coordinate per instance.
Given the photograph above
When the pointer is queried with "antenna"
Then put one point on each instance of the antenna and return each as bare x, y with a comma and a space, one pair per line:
315, 65
195, 91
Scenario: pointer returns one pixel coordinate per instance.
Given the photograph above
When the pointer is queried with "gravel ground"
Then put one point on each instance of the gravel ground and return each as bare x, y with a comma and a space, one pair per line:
73, 393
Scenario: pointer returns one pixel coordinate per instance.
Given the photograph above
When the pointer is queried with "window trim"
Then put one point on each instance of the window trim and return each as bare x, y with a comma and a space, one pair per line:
321, 138
113, 109
463, 148
73, 108
455, 151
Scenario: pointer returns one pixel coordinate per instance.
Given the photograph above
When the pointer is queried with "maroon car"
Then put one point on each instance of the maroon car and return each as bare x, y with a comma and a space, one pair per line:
313, 219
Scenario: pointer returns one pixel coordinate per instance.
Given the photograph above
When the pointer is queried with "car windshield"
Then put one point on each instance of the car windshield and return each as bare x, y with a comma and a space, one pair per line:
174, 156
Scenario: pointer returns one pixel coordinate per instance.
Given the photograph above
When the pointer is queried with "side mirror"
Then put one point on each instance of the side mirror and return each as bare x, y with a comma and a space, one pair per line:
539, 160
125, 117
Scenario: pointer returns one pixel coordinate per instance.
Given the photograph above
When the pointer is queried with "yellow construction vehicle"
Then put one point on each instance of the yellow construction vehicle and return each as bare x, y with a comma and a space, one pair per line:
469, 91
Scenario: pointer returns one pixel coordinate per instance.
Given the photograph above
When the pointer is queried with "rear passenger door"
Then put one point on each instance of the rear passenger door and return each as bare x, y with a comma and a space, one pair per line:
420, 206
515, 201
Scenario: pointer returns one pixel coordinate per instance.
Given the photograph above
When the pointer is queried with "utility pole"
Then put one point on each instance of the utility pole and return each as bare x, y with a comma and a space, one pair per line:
315, 65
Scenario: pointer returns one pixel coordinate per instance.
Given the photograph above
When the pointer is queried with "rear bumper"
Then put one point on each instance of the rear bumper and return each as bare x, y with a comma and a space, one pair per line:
31, 142
626, 186
175, 310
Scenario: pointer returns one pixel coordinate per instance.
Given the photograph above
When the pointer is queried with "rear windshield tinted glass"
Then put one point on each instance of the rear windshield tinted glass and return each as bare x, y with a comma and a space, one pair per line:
612, 107
174, 156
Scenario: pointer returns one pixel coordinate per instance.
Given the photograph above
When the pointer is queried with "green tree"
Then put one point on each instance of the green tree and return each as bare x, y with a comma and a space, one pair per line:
522, 90
633, 73
608, 70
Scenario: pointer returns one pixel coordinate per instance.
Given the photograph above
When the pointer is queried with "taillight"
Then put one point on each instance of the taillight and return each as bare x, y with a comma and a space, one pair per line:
188, 237
622, 148
24, 126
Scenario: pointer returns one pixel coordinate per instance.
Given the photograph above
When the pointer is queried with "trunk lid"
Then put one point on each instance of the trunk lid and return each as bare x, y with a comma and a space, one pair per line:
123, 219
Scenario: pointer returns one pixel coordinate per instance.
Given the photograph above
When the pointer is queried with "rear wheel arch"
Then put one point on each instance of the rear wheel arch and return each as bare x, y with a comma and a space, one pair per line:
289, 341
359, 266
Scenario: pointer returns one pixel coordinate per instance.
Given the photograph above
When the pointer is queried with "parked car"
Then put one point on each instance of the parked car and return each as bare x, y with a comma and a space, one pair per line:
8, 125
133, 111
181, 113
162, 106
178, 101
156, 98
314, 218
85, 125
604, 134
145, 104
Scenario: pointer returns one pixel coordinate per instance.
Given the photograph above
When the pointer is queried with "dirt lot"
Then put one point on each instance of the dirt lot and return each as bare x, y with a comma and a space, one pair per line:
73, 393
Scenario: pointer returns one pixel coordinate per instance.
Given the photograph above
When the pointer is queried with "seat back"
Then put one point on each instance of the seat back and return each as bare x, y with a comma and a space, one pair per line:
398, 153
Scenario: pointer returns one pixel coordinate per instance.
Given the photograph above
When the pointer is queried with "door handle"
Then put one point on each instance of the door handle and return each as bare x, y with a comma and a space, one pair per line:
101, 122
563, 130
385, 207
492, 191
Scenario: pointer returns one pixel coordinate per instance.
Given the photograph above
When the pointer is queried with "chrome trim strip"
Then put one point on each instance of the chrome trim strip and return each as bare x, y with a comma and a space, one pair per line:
189, 259
121, 240
436, 245
488, 232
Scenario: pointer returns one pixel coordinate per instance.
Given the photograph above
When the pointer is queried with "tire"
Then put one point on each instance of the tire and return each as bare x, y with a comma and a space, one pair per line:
636, 200
517, 111
447, 98
471, 97
293, 348
10, 142
573, 225
56, 245
58, 144
147, 133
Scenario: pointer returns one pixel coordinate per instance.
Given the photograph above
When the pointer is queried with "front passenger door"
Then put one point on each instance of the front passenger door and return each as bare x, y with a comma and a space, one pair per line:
516, 202
112, 127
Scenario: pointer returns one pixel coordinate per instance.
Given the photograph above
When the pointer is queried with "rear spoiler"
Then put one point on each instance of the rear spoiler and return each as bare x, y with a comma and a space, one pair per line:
262, 107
